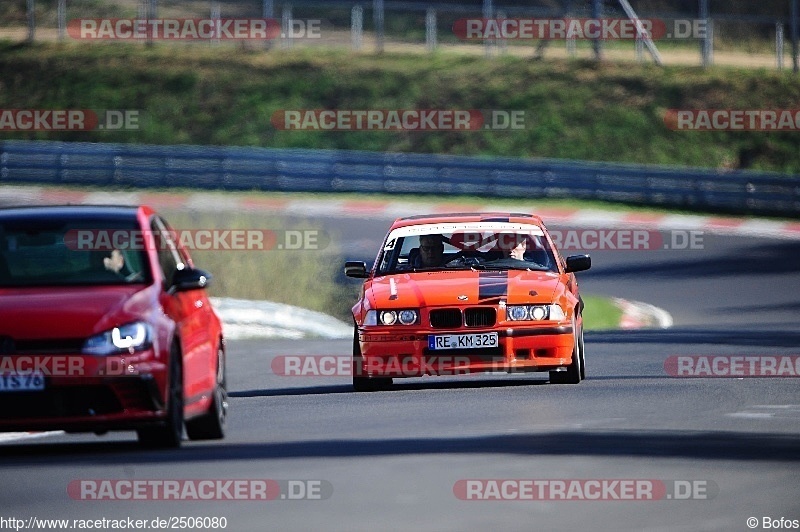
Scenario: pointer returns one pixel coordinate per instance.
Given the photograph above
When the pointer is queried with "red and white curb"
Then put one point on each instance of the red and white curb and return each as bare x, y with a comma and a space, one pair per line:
244, 318
6, 437
390, 209
638, 315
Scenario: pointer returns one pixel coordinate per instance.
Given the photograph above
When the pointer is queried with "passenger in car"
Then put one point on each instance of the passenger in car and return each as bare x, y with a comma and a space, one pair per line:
511, 246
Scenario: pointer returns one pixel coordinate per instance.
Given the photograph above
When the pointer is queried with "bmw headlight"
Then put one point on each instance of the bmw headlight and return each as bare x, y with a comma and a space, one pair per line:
395, 317
517, 312
407, 317
388, 317
535, 312
127, 338
557, 313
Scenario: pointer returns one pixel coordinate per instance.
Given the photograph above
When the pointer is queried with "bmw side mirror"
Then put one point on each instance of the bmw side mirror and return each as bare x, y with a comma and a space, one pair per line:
578, 263
356, 269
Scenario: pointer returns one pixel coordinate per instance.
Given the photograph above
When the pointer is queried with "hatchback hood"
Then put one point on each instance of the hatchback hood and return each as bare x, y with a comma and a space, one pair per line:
69, 312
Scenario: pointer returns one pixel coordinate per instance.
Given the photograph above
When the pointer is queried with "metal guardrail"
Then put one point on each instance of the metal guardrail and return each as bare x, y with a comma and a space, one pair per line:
239, 168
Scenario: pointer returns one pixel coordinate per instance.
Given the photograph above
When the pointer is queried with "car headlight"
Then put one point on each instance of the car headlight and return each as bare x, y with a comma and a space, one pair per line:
408, 317
517, 312
557, 313
388, 317
535, 312
127, 338
392, 317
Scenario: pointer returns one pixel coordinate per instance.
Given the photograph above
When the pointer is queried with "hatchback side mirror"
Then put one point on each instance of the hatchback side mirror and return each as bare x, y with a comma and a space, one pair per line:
190, 279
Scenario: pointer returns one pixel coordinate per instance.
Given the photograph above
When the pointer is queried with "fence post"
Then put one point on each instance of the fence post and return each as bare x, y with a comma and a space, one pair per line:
356, 27
430, 29
31, 12
502, 44
377, 16
707, 42
794, 15
639, 48
779, 45
215, 16
152, 9
62, 19
597, 13
268, 12
488, 12
286, 26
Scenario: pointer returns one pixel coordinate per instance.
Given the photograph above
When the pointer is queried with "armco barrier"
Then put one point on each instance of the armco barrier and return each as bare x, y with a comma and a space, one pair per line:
233, 168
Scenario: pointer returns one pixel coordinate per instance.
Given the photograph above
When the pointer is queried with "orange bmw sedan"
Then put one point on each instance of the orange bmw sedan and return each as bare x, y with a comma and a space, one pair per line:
452, 294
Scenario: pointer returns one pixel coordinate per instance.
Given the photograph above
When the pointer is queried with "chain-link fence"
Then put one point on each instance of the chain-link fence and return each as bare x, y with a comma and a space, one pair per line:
666, 32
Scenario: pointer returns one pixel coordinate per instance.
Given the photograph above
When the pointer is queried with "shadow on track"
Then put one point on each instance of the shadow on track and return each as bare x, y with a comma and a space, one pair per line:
398, 385
682, 336
747, 260
661, 444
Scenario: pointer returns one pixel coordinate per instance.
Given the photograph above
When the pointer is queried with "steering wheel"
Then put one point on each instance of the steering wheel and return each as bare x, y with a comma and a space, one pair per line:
467, 256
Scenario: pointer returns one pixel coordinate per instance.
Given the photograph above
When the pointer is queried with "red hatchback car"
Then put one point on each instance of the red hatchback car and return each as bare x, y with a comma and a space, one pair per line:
105, 324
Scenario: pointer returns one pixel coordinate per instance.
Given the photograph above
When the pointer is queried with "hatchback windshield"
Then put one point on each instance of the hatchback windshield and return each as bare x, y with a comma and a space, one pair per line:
47, 252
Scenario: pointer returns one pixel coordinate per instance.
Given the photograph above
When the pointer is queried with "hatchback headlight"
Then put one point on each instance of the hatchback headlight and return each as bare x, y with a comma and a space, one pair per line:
127, 338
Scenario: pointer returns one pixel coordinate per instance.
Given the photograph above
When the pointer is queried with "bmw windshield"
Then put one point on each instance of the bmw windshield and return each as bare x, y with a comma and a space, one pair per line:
465, 246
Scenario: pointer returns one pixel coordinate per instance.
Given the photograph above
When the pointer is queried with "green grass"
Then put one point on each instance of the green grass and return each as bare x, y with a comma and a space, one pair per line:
575, 109
305, 278
600, 313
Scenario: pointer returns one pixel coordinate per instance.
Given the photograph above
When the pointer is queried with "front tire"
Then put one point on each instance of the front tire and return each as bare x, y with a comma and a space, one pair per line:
582, 350
361, 381
170, 434
574, 372
211, 425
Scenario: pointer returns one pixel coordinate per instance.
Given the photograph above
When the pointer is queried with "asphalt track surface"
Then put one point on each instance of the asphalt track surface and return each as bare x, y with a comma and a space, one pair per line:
391, 459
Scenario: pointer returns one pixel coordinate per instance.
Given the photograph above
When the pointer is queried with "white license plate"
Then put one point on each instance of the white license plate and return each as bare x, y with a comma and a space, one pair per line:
462, 341
25, 382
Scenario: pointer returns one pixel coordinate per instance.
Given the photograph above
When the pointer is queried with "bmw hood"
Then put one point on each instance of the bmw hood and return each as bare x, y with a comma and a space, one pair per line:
446, 288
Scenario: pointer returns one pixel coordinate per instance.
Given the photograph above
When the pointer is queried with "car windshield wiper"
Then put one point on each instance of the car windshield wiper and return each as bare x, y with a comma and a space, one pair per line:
526, 267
